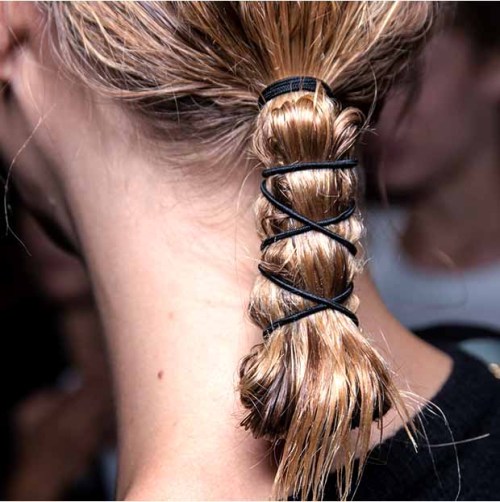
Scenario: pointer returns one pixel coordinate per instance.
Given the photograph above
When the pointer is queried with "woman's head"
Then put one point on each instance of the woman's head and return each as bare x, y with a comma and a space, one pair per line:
177, 84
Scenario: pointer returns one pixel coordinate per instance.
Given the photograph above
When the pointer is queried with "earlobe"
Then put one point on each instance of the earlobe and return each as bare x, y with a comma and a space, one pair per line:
17, 19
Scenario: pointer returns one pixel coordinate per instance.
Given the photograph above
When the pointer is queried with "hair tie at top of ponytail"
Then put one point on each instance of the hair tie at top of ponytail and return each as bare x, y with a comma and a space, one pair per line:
292, 84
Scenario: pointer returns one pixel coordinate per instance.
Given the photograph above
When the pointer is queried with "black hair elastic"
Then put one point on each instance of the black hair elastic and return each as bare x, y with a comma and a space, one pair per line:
292, 84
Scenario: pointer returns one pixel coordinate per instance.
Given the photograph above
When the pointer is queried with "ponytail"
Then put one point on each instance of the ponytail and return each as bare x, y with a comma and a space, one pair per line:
316, 376
192, 72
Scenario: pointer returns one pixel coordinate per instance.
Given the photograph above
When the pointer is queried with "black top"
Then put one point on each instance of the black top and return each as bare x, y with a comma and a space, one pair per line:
467, 470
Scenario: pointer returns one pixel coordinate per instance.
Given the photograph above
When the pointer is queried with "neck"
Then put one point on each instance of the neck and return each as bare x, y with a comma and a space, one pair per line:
456, 224
172, 286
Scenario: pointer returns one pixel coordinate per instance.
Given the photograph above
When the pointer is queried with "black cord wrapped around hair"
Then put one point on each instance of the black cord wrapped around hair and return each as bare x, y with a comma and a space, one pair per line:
292, 84
307, 226
283, 86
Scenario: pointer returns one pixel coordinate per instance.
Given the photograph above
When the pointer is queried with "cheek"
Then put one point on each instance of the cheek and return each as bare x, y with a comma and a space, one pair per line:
30, 128
21, 119
430, 139
23, 161
439, 127
25, 146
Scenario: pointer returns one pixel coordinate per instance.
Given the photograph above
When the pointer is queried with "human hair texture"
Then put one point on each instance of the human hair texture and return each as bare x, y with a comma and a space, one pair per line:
193, 72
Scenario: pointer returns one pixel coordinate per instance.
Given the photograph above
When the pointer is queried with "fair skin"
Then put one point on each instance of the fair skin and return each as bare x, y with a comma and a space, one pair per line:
443, 152
172, 260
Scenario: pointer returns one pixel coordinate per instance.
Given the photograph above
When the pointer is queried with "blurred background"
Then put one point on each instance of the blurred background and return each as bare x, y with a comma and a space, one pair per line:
56, 411
433, 246
433, 183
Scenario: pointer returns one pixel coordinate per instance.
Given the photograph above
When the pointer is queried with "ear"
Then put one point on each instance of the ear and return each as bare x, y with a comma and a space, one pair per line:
18, 21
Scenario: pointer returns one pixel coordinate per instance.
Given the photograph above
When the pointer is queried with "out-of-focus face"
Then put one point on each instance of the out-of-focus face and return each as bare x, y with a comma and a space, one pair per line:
425, 138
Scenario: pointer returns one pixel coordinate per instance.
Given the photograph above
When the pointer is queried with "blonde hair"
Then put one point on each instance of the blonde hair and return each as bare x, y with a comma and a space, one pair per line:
194, 71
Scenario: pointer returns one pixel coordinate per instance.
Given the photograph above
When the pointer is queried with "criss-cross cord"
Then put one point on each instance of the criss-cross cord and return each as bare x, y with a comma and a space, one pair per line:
307, 226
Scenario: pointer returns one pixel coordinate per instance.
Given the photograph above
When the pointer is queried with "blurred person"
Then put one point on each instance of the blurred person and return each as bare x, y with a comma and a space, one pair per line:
62, 430
62, 281
57, 434
142, 133
58, 422
436, 257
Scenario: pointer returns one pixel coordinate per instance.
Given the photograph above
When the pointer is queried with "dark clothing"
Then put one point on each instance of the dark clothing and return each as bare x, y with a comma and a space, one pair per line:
447, 335
467, 470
